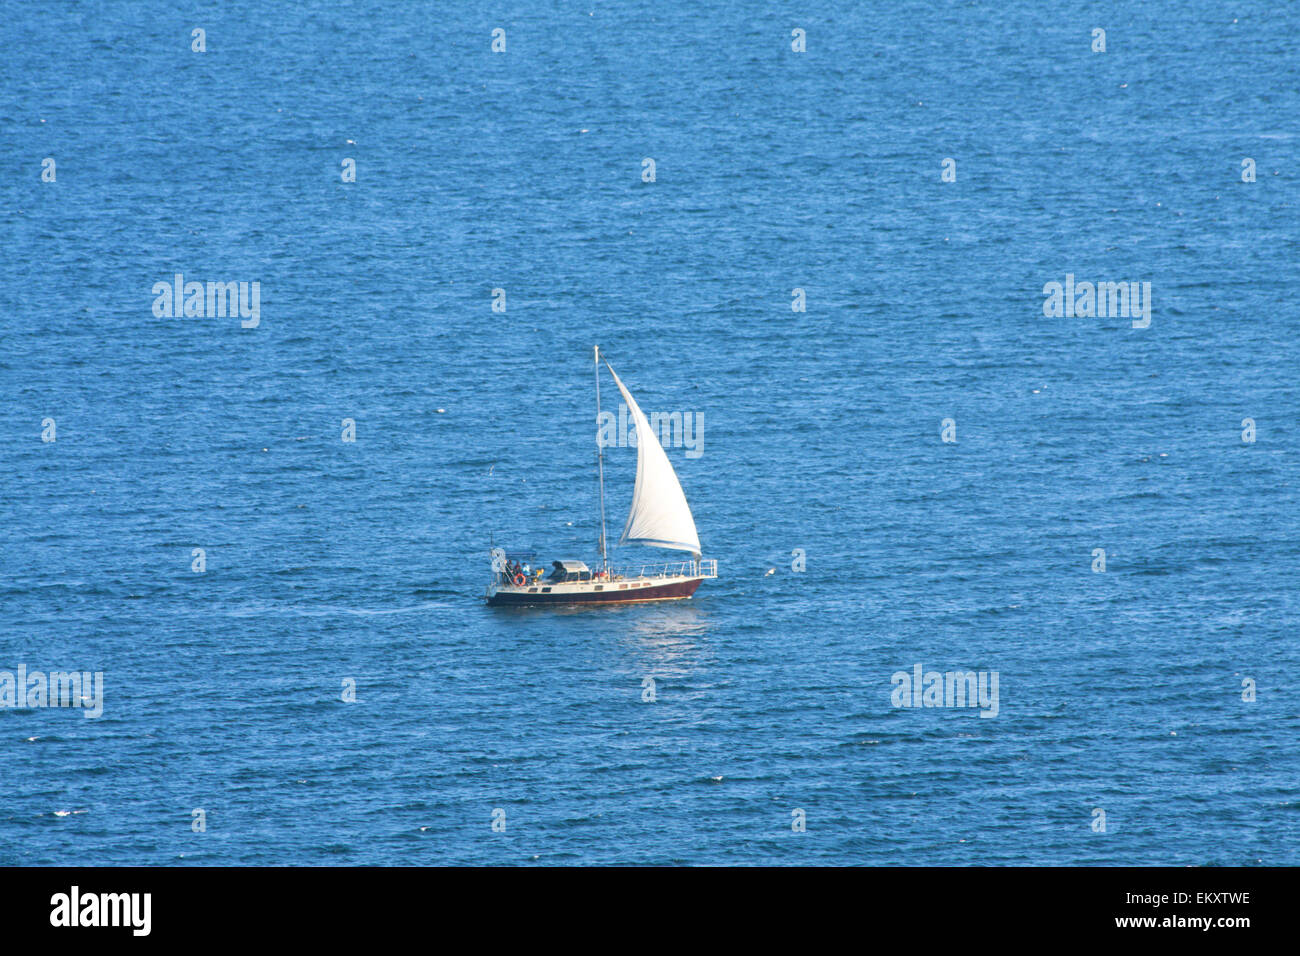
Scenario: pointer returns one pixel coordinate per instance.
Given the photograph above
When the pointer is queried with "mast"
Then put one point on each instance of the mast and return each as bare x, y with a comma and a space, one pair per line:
600, 468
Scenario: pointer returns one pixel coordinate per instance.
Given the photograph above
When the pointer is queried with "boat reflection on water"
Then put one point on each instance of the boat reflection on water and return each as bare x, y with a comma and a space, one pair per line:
640, 622
669, 623
666, 642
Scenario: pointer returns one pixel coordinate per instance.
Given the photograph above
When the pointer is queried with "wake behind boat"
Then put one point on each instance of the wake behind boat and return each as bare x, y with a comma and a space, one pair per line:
659, 517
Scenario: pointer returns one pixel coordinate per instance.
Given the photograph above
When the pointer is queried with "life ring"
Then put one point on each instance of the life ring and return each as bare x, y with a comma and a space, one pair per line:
520, 580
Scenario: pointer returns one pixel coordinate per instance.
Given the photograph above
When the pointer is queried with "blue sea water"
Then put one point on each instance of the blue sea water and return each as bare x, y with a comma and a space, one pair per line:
330, 561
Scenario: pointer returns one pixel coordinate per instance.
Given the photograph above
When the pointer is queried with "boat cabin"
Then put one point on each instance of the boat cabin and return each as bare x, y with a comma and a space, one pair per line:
567, 571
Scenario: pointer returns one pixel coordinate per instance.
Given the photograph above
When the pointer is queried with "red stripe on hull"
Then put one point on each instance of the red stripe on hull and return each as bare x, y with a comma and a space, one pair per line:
662, 592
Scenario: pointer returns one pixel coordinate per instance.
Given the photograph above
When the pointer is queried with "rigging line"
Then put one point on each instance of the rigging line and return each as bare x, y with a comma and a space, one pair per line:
600, 466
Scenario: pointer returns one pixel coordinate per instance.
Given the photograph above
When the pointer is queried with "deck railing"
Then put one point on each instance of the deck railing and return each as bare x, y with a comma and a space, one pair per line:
706, 568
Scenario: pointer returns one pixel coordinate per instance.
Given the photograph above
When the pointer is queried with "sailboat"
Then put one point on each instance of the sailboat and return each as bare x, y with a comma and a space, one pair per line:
659, 517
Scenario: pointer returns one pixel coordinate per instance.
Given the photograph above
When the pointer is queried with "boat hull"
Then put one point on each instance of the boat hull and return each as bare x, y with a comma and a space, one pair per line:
674, 590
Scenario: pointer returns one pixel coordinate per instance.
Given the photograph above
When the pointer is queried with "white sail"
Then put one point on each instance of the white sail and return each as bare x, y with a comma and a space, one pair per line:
660, 515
